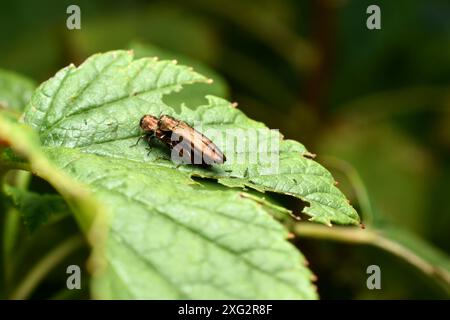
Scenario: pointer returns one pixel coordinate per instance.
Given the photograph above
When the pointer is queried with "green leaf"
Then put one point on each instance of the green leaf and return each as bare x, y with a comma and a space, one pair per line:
37, 209
97, 108
172, 237
15, 90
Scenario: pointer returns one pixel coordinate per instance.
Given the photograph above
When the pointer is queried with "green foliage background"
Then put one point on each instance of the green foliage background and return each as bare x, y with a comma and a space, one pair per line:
374, 106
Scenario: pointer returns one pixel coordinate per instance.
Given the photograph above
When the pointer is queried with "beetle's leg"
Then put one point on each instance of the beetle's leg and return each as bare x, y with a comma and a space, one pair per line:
138, 140
150, 138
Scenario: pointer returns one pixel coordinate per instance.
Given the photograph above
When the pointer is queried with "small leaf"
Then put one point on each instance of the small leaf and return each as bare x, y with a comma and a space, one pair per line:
15, 90
37, 209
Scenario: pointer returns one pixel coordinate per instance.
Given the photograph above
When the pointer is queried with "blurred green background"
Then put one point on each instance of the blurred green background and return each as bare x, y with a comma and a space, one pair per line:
375, 103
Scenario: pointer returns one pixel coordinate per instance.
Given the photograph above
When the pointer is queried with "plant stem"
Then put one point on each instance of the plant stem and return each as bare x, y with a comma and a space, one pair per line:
11, 230
356, 182
22, 179
40, 270
343, 234
377, 239
11, 227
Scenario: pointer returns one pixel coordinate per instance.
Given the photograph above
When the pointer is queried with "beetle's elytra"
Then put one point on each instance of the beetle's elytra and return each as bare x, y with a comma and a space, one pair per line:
185, 142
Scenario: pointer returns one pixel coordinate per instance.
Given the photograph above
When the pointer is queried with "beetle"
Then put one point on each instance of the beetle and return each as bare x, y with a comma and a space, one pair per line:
186, 143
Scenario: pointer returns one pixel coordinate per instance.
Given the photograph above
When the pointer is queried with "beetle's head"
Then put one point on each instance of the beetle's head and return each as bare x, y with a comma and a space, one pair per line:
149, 123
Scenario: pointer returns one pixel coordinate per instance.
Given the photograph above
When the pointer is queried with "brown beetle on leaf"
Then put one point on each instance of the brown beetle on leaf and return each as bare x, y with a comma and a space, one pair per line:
187, 144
